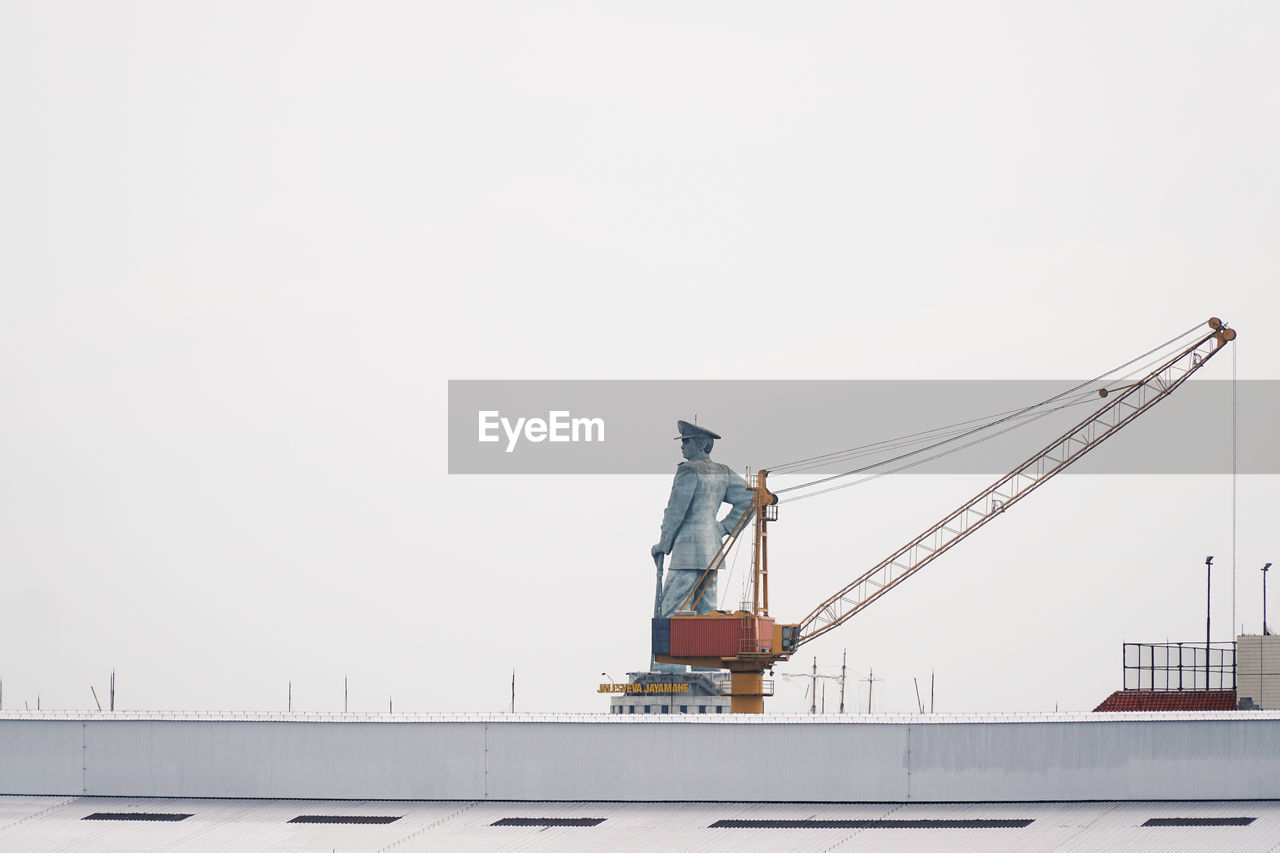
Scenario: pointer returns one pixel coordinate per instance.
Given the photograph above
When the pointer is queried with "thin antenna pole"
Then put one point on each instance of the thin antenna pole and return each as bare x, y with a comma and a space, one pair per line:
290, 695
112, 702
813, 693
513, 690
931, 675
824, 697
919, 701
95, 697
345, 694
871, 680
844, 659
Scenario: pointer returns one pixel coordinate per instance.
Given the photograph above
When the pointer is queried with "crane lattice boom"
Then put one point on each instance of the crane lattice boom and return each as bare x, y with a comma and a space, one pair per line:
1017, 484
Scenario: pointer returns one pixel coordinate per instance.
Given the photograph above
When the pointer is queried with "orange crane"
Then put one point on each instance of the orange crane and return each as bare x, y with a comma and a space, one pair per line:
749, 642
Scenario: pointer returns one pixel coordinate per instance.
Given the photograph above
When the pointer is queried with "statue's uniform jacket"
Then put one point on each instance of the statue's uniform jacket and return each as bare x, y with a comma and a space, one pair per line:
690, 532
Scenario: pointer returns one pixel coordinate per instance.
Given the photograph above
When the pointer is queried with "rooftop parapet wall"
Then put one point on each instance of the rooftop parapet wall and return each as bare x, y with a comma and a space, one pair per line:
1228, 755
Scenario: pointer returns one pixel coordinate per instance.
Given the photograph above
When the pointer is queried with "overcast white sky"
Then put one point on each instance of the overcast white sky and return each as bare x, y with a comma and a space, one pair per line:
243, 247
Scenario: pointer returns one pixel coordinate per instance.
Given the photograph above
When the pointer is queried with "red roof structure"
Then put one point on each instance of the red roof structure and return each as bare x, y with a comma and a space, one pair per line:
1169, 700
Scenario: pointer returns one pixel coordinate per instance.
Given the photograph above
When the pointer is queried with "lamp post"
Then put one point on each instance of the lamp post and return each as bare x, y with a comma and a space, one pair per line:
1208, 589
1265, 632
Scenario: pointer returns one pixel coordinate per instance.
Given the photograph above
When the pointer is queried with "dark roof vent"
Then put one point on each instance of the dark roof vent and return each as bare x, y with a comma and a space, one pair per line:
548, 821
345, 818
971, 823
162, 816
1200, 821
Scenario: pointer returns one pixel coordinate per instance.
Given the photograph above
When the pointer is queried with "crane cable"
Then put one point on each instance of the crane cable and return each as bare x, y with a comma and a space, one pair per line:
950, 430
1004, 418
1235, 432
938, 455
1088, 398
791, 467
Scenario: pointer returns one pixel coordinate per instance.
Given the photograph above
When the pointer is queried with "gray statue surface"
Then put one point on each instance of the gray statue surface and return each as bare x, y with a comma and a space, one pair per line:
691, 533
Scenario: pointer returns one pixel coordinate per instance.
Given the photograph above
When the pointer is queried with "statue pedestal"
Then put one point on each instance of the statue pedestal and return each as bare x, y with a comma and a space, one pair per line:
673, 693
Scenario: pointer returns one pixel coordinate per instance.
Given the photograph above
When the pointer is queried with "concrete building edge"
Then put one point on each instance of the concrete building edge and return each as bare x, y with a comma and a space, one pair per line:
647, 801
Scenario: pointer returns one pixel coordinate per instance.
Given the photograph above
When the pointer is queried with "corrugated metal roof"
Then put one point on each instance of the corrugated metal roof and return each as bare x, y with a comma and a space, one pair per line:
57, 824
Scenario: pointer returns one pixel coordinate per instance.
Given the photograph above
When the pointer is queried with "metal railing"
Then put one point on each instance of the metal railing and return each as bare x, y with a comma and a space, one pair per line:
766, 687
1179, 666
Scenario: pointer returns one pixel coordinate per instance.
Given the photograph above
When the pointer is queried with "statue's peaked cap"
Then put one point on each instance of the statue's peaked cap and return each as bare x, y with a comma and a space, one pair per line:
688, 430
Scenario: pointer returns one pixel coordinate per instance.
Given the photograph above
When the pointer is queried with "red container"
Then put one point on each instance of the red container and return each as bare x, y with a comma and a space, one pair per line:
712, 635
719, 635
761, 639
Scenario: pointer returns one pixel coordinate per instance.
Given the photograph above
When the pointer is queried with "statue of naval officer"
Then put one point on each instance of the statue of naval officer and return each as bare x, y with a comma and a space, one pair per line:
691, 533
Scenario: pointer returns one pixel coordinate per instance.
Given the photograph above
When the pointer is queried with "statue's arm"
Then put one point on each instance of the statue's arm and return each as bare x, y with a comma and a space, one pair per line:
740, 495
682, 489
